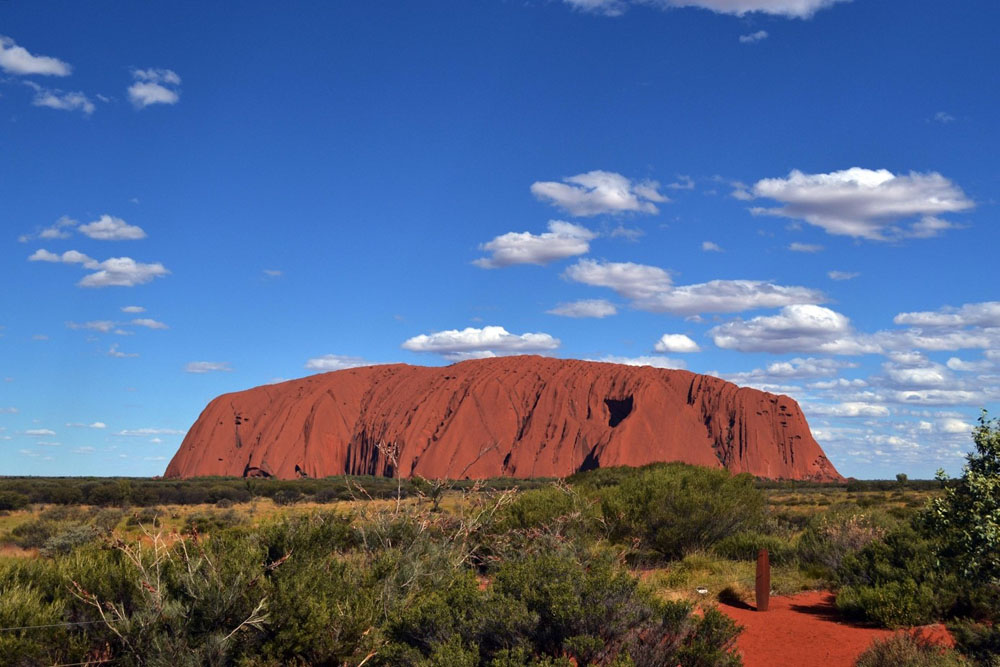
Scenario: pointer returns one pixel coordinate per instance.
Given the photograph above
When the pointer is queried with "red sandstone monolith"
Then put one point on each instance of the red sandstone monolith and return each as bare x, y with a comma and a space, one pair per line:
524, 417
763, 588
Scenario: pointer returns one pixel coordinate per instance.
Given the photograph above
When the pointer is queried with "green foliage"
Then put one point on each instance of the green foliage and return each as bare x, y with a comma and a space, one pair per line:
211, 522
967, 518
909, 650
832, 536
978, 642
746, 546
11, 500
675, 508
32, 534
69, 539
895, 581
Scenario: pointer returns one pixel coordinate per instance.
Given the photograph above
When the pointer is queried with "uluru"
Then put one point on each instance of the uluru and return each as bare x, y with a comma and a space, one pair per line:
524, 416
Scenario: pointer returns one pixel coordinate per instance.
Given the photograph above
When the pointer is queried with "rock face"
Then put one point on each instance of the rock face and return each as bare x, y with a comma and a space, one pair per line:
510, 416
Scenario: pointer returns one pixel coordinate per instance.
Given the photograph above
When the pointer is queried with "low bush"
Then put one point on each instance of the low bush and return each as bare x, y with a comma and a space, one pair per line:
70, 538
746, 546
675, 508
909, 650
32, 534
10, 500
831, 536
979, 642
210, 522
896, 581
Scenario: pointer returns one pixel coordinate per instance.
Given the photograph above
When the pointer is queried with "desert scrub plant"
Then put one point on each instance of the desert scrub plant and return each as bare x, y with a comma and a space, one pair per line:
831, 536
967, 518
676, 508
546, 609
905, 649
70, 538
978, 642
23, 605
896, 581
746, 545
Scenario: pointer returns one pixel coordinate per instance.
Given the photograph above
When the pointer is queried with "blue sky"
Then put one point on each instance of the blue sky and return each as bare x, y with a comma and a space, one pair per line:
797, 195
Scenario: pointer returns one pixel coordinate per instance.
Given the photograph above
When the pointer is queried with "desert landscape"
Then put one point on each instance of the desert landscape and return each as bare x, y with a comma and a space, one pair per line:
534, 333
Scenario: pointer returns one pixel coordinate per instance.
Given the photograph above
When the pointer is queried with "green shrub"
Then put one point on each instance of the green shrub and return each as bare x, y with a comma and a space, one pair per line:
69, 539
675, 508
210, 522
909, 650
32, 534
967, 518
831, 536
106, 520
978, 642
10, 500
892, 604
746, 545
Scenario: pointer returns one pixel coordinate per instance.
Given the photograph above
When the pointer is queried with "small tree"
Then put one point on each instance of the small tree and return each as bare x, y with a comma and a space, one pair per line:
901, 478
967, 517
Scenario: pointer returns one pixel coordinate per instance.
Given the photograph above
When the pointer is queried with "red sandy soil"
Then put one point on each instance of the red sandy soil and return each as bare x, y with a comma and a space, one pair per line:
805, 630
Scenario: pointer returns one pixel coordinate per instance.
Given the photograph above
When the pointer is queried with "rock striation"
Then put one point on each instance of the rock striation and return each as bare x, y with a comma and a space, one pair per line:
522, 416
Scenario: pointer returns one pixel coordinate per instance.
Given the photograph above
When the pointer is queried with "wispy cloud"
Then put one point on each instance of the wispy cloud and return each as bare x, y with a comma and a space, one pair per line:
801, 9
754, 37
207, 367
53, 98
585, 308
336, 362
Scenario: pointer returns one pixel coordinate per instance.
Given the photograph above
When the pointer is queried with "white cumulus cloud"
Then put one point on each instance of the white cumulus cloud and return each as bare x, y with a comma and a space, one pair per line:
597, 192
676, 343
865, 203
110, 228
797, 328
154, 86
650, 288
563, 239
471, 342
122, 272
16, 59
116, 271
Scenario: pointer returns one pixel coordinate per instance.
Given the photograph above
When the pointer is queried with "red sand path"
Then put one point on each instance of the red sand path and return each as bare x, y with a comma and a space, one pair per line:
805, 630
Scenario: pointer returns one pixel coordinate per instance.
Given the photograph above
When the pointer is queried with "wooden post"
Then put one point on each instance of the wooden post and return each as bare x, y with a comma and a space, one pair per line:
763, 580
